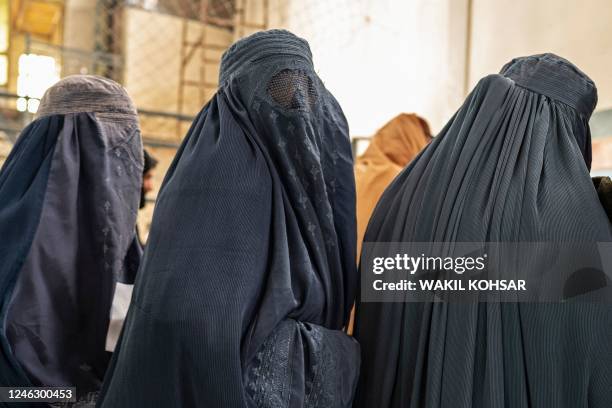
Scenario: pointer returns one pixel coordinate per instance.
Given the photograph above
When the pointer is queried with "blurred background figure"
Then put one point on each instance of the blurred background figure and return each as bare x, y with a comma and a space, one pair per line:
150, 163
148, 173
389, 151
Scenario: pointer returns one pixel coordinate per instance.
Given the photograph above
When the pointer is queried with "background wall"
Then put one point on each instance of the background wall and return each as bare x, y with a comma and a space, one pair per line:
381, 58
157, 72
580, 31
79, 18
384, 57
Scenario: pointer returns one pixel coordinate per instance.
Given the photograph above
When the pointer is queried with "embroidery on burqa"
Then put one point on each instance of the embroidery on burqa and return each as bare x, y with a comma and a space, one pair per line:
123, 162
269, 380
293, 104
321, 389
297, 94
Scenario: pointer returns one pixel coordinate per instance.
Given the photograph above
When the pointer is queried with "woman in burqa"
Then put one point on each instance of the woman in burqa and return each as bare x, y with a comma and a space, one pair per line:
249, 273
390, 150
512, 165
69, 194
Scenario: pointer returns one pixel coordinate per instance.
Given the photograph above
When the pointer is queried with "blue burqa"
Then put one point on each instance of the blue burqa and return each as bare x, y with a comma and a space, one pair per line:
249, 273
512, 165
69, 194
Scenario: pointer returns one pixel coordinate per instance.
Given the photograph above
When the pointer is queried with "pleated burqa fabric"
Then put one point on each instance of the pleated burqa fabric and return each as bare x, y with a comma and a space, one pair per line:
69, 194
512, 165
389, 151
249, 273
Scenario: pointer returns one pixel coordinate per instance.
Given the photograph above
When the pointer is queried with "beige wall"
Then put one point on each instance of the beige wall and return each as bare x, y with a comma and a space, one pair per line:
389, 56
580, 31
5, 148
79, 24
386, 57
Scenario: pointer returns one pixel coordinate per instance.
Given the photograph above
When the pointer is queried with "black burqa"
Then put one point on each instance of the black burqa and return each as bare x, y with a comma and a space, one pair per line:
249, 273
69, 194
512, 165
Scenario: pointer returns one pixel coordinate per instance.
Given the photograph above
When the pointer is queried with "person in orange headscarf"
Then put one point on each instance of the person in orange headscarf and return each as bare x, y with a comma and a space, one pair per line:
390, 150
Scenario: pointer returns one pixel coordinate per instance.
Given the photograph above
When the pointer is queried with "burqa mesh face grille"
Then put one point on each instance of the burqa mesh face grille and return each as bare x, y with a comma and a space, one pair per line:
292, 89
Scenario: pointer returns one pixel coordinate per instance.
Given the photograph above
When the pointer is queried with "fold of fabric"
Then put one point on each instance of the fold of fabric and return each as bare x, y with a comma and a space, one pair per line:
251, 249
512, 165
68, 201
389, 151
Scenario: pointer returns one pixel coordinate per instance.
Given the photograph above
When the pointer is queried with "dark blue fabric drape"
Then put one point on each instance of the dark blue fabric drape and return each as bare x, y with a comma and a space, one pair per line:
22, 192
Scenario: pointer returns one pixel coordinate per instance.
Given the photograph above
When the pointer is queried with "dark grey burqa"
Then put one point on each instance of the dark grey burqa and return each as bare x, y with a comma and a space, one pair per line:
69, 195
512, 165
249, 272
